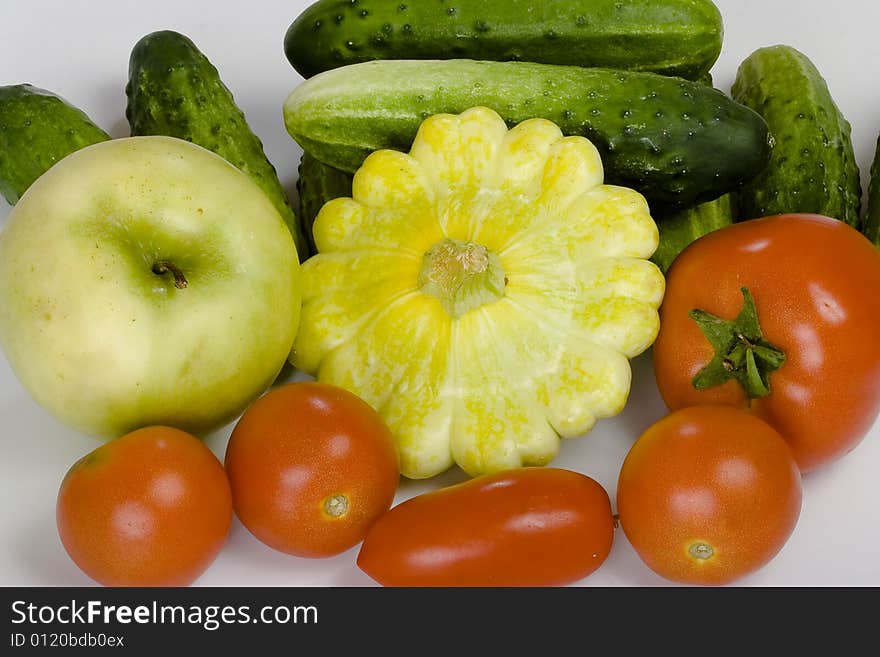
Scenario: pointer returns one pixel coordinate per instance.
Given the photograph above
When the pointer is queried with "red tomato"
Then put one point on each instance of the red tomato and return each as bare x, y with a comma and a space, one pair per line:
151, 508
816, 287
311, 467
523, 527
708, 494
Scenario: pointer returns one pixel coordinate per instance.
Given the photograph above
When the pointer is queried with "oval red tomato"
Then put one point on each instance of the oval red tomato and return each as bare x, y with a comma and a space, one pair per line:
708, 495
311, 467
815, 283
523, 527
152, 508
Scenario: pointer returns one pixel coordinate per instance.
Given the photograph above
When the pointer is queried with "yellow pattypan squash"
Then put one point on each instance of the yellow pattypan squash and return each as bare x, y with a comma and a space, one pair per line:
483, 292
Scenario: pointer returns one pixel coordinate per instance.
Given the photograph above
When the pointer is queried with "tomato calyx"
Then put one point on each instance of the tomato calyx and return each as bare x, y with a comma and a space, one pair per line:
741, 352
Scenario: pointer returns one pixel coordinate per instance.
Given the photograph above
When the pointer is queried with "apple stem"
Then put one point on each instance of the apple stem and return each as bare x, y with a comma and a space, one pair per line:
163, 267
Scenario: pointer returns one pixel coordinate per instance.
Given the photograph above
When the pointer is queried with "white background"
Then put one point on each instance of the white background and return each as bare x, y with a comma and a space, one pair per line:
80, 50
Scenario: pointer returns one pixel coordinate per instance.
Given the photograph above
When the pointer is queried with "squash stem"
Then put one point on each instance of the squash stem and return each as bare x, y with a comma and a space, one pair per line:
462, 275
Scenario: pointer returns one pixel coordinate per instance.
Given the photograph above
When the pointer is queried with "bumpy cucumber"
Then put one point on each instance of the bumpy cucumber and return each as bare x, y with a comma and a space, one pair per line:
317, 184
38, 128
813, 167
174, 90
673, 140
679, 228
673, 37
871, 227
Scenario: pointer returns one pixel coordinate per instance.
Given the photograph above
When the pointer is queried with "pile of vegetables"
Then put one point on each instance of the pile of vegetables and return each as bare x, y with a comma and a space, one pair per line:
496, 213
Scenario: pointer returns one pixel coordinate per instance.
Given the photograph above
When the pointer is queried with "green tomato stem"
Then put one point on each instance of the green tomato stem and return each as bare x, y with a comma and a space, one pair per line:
741, 352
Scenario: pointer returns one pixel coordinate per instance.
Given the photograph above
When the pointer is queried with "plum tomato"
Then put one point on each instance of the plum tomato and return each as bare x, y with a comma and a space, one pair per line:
152, 508
708, 495
311, 467
522, 527
777, 315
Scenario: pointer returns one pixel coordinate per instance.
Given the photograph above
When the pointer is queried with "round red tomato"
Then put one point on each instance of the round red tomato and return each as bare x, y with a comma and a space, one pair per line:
311, 467
523, 527
708, 495
813, 367
152, 508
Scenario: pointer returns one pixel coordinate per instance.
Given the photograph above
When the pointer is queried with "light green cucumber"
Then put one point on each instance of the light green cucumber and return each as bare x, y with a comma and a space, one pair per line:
317, 184
673, 37
675, 141
679, 228
813, 168
37, 129
174, 90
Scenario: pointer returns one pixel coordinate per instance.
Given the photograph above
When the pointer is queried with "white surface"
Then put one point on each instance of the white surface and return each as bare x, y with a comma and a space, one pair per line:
80, 50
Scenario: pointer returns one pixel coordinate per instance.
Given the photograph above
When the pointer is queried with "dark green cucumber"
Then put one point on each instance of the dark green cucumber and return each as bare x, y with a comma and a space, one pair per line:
679, 228
174, 90
316, 185
38, 128
813, 168
673, 140
673, 37
871, 227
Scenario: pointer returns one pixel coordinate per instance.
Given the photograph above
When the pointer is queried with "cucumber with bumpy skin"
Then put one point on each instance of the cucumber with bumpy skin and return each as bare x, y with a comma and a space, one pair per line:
37, 129
678, 229
813, 168
673, 140
672, 37
316, 185
174, 90
871, 227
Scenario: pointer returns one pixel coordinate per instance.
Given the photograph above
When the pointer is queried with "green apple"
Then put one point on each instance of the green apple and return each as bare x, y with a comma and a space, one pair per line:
146, 281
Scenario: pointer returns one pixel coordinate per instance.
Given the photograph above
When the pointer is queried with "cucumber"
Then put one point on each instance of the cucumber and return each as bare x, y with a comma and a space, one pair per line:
673, 37
871, 227
316, 185
681, 226
673, 140
37, 129
174, 90
813, 168
678, 229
